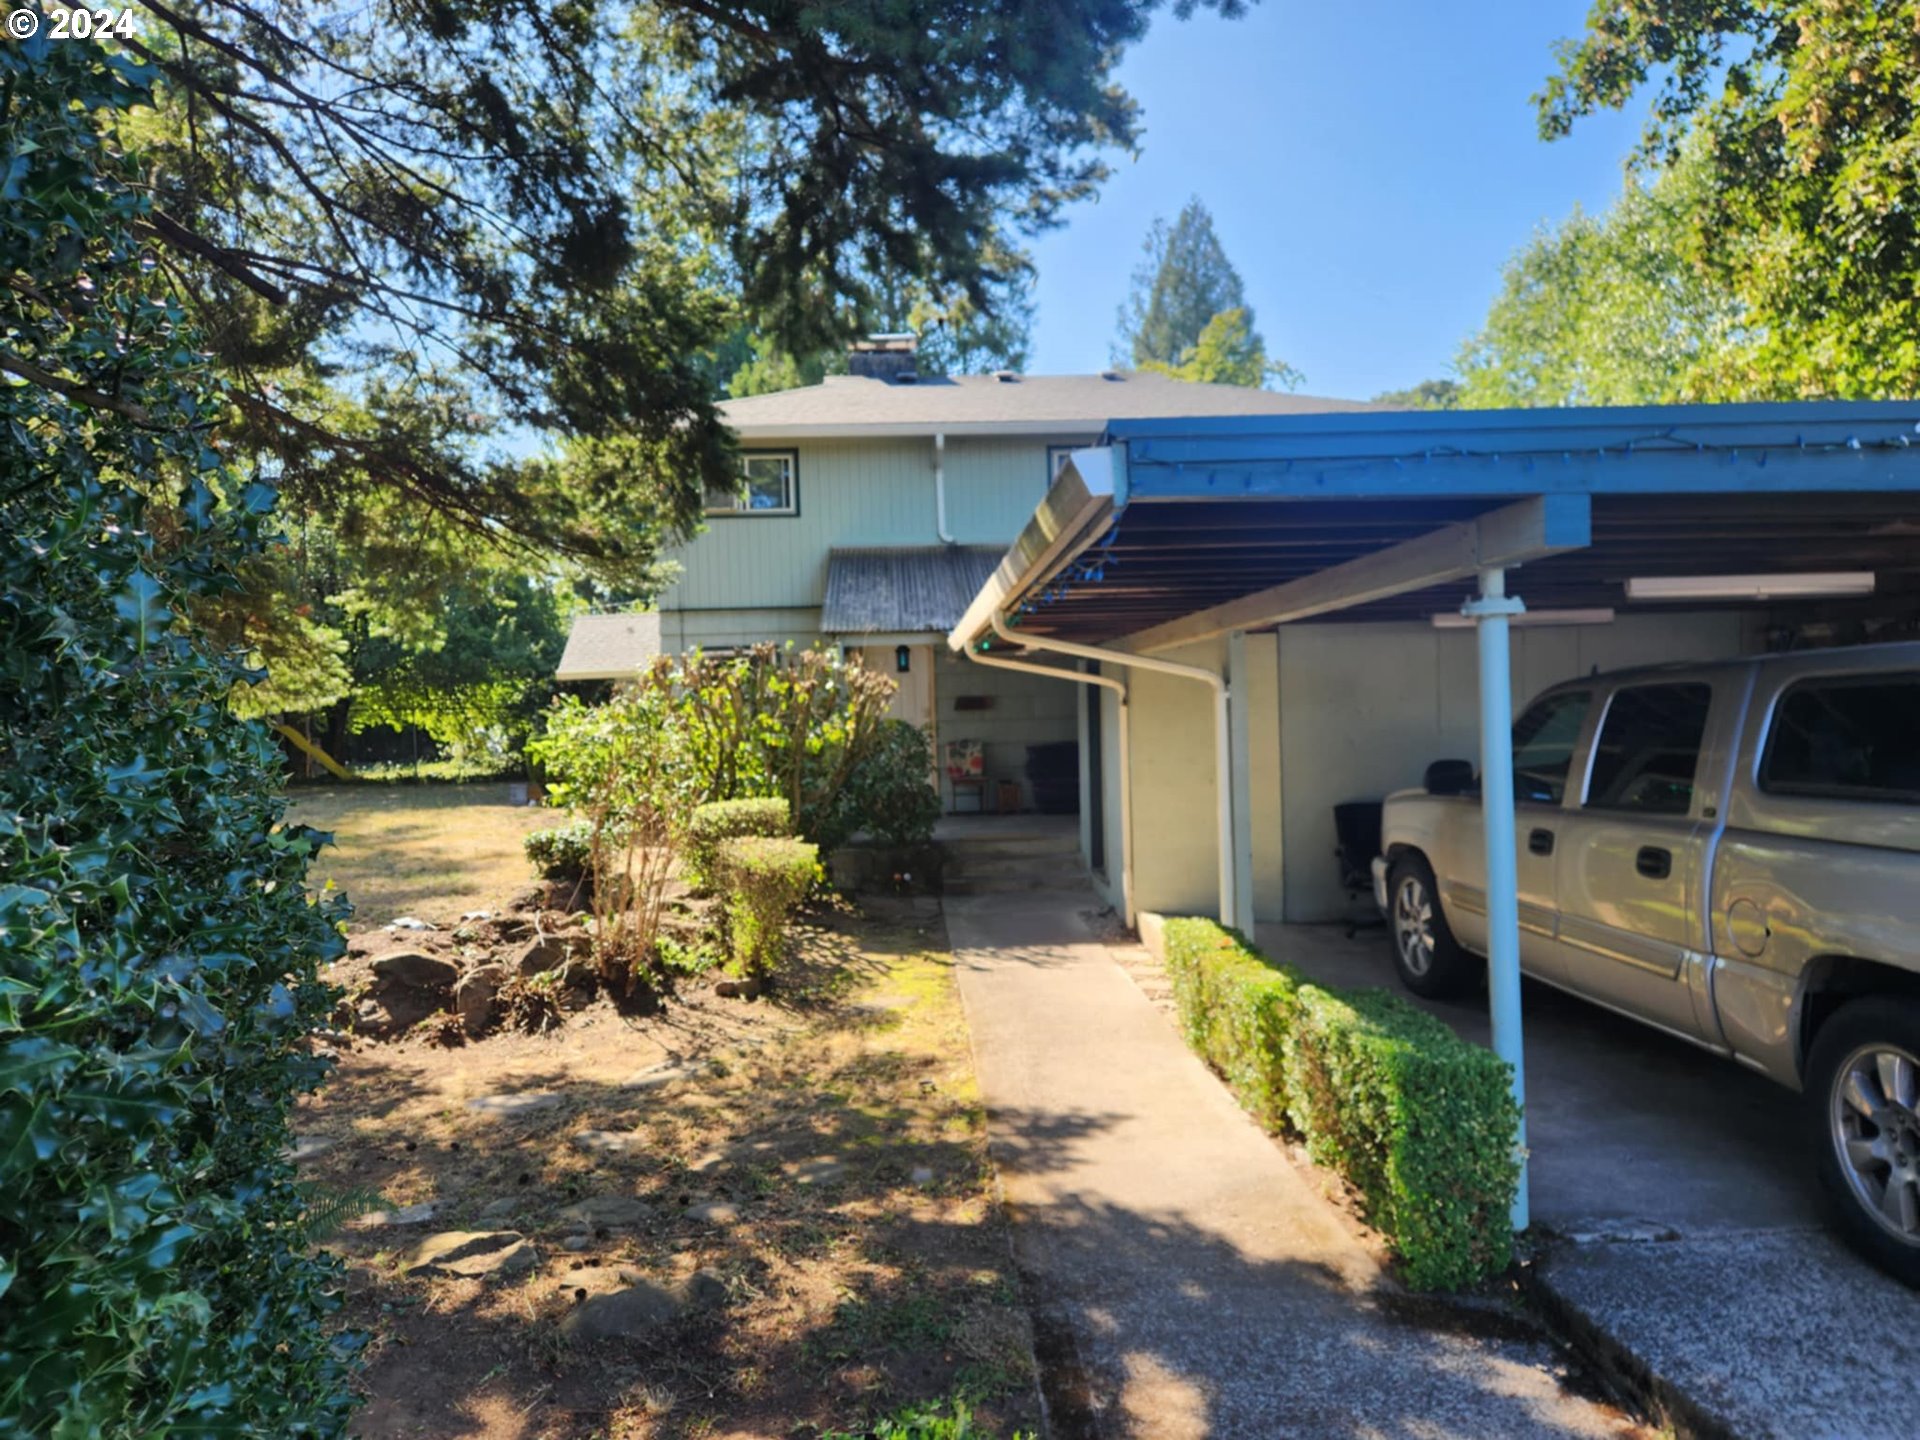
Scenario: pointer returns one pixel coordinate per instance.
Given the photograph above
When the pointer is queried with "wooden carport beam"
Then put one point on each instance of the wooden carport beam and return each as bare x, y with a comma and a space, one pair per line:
1513, 535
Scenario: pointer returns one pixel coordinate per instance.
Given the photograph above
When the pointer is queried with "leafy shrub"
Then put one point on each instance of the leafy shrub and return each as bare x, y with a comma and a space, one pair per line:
950, 1421
1420, 1121
562, 851
765, 880
713, 824
890, 793
159, 948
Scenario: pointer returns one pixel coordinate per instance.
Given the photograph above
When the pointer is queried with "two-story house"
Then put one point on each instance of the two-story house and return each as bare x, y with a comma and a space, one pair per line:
873, 507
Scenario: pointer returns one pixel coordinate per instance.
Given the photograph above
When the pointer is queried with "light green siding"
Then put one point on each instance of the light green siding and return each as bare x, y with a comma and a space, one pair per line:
858, 492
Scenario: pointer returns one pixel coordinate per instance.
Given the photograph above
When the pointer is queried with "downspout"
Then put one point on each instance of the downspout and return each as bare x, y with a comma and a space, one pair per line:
1222, 747
1105, 682
940, 487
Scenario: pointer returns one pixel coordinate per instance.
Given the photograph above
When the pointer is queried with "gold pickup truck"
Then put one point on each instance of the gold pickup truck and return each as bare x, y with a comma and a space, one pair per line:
1729, 853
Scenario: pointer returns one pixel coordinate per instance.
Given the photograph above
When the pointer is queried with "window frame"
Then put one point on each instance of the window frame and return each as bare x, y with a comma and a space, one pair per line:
739, 511
1587, 801
1839, 794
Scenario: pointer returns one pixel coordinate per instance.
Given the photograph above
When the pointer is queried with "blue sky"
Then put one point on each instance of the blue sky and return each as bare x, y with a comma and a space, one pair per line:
1370, 165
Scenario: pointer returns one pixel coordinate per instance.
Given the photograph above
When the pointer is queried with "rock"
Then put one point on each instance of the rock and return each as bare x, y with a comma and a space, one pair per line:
370, 1018
628, 1314
922, 1175
748, 989
542, 953
822, 1170
576, 1243
477, 998
478, 915
607, 1212
418, 1214
529, 1102
416, 970
473, 1254
714, 1212
408, 922
709, 1164
499, 1209
305, 1147
584, 1280
510, 929
609, 1142
705, 1289
656, 1075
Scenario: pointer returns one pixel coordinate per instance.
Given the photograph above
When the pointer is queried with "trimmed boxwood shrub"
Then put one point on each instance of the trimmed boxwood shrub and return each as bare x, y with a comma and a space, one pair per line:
712, 825
1420, 1121
560, 853
765, 879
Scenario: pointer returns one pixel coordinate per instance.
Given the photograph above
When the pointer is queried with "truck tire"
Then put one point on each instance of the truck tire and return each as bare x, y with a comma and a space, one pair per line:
1427, 958
1863, 1113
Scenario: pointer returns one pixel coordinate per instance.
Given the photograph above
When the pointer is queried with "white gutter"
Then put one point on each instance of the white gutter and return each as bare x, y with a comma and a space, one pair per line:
1222, 751
1105, 682
940, 488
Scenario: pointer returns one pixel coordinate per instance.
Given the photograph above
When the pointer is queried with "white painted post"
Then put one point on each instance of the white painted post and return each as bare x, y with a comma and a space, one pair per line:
1491, 613
1240, 773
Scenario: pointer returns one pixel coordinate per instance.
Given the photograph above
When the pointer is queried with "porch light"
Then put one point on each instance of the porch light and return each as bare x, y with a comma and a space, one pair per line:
902, 658
1454, 620
1806, 586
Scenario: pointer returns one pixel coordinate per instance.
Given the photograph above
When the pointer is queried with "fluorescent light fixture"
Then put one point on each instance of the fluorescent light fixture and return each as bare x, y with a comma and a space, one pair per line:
1454, 620
1751, 587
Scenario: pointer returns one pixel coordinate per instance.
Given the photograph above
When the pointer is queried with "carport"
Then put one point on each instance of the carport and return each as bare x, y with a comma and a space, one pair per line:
1158, 554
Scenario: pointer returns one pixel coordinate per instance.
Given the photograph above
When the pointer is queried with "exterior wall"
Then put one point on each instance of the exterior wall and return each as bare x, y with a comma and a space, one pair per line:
683, 630
857, 492
1363, 709
1026, 710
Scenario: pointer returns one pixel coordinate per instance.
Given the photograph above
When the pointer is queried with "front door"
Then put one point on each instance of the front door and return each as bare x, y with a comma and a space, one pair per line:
1630, 856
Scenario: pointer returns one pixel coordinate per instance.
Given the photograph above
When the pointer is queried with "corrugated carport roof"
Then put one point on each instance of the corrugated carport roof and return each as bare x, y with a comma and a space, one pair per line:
1205, 511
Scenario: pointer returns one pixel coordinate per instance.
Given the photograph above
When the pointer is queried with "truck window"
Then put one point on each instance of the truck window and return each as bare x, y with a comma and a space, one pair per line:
1846, 739
1649, 749
1543, 741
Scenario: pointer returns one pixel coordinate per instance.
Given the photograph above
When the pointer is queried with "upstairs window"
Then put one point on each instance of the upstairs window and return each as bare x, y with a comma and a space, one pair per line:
769, 485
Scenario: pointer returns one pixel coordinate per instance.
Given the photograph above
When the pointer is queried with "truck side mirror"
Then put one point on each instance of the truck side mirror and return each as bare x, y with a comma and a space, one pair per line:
1450, 777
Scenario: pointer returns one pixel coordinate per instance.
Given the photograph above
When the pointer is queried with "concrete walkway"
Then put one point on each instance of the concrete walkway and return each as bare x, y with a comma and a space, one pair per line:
1189, 1281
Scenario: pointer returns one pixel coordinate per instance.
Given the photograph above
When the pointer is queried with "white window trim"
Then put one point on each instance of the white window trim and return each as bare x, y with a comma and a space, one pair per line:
739, 509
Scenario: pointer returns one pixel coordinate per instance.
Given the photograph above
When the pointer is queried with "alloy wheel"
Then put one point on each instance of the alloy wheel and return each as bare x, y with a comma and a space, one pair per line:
1876, 1131
1413, 925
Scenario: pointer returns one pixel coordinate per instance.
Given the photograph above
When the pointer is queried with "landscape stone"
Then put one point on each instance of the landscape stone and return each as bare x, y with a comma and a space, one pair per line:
612, 1212
477, 998
473, 1254
705, 1288
305, 1147
661, 1074
922, 1175
499, 1209
506, 1106
610, 1142
823, 1170
628, 1314
714, 1212
416, 970
418, 1214
542, 953
576, 1242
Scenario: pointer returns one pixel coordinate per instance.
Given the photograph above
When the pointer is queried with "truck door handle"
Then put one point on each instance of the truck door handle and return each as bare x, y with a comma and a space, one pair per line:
1540, 842
1653, 862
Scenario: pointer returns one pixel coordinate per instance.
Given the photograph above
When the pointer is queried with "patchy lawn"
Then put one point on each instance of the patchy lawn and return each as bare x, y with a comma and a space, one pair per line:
435, 851
792, 1195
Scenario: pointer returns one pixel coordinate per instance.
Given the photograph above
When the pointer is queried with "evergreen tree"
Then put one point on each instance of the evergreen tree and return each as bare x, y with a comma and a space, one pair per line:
1183, 280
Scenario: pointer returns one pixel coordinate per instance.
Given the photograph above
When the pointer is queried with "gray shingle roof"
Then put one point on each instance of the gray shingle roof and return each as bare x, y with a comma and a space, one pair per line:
1030, 404
610, 647
903, 591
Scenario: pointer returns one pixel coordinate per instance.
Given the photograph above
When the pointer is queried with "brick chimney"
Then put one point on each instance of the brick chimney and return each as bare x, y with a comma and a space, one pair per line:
884, 357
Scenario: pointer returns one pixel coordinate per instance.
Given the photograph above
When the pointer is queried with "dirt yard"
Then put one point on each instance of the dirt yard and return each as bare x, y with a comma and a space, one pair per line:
435, 851
768, 1218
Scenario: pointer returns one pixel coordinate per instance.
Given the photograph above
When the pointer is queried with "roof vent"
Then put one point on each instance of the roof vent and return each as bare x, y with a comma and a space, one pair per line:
887, 357
1006, 377
1111, 375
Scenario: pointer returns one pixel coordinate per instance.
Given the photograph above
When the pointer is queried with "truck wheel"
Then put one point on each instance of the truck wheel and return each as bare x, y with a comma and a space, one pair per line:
1863, 1107
1430, 961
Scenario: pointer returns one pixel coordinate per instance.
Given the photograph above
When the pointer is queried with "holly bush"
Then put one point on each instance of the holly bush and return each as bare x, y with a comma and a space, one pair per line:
159, 949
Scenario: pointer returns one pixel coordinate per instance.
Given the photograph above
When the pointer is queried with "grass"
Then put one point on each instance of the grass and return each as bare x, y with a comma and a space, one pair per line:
435, 851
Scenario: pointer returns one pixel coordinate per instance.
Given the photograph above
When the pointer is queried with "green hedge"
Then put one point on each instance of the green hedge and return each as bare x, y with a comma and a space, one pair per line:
724, 820
1420, 1121
562, 852
765, 878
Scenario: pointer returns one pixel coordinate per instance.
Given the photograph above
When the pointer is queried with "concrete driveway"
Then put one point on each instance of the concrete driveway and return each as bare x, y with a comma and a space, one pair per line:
1680, 1194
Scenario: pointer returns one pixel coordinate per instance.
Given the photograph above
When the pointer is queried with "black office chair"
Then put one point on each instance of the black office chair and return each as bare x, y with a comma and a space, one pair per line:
1356, 829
